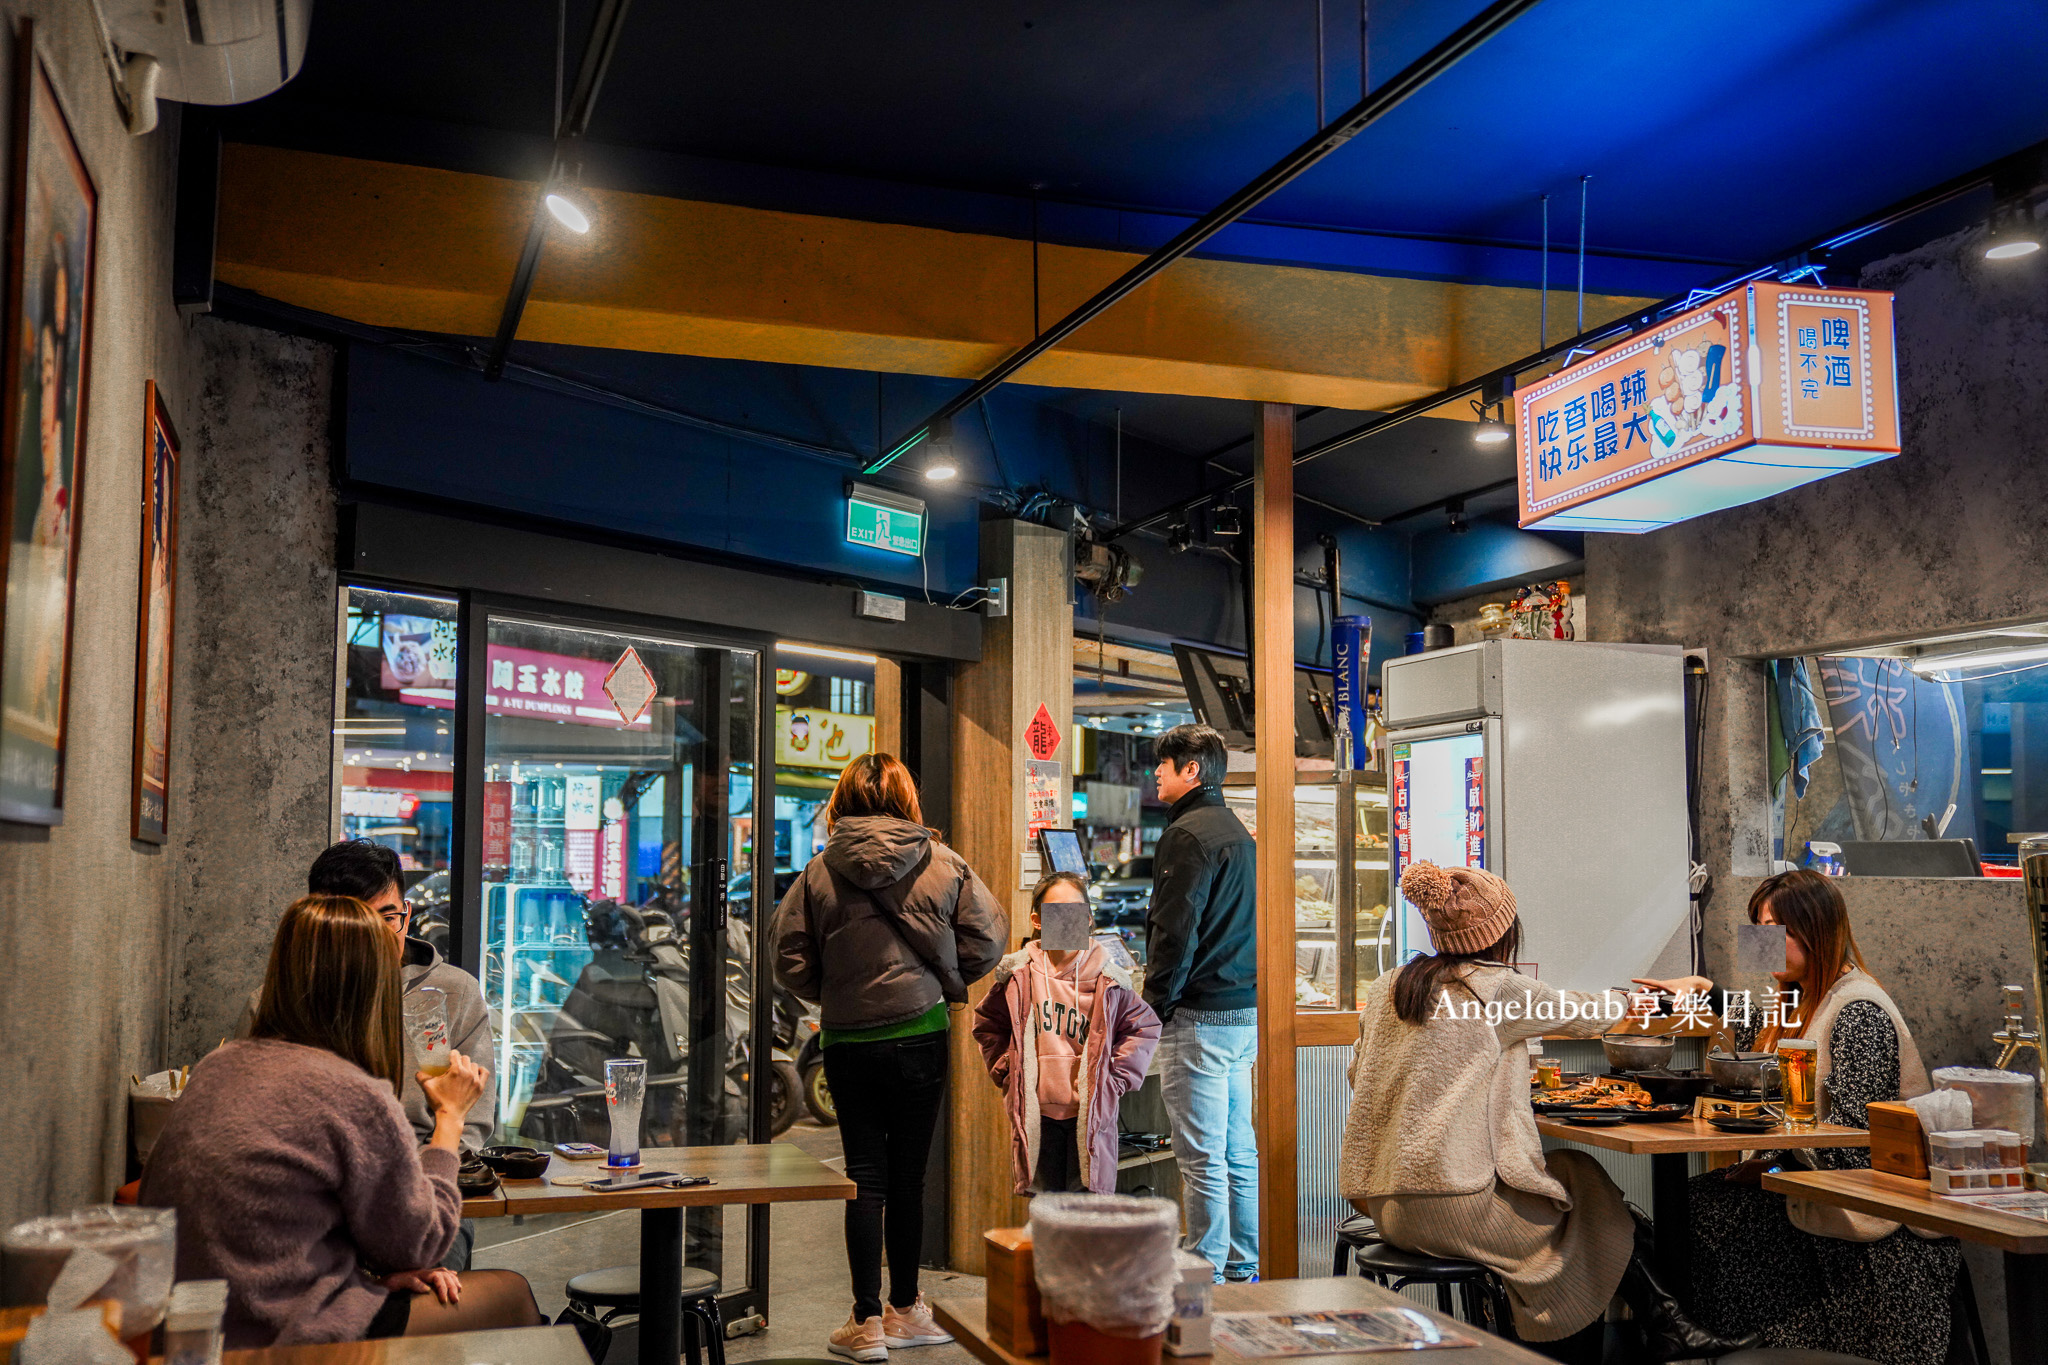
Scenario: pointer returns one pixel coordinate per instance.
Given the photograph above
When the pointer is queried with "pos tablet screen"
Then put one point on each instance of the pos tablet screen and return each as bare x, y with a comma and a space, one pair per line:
1060, 851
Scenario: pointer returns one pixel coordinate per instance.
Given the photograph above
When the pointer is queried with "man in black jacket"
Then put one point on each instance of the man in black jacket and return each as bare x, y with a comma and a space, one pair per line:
1201, 964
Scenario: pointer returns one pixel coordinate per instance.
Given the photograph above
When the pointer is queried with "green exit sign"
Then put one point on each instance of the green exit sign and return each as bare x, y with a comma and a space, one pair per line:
883, 519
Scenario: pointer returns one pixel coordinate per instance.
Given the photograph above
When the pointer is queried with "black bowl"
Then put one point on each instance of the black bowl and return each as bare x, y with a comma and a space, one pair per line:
1604, 1118
1673, 1087
516, 1163
474, 1178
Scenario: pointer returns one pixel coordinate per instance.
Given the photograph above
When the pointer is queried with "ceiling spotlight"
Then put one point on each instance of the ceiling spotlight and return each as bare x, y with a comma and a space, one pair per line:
2009, 248
1492, 430
939, 464
1179, 538
1455, 510
568, 212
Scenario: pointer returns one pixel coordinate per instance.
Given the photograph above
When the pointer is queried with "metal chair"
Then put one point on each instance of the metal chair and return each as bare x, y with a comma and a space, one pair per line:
603, 1303
1485, 1298
1354, 1232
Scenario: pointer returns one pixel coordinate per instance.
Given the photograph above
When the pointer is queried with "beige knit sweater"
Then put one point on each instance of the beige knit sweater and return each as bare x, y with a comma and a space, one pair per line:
1442, 1107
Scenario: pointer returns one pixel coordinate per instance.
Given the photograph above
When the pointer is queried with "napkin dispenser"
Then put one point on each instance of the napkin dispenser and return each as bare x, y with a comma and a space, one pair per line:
1898, 1146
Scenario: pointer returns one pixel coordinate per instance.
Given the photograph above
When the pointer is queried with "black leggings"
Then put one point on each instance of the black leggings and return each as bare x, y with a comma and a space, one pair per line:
888, 1095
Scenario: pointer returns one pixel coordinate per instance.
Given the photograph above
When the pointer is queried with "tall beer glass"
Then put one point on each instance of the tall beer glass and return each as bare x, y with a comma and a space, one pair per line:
426, 1025
1798, 1063
625, 1089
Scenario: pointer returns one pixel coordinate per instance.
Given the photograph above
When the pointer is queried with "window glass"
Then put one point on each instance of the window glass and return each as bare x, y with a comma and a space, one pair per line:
824, 718
394, 740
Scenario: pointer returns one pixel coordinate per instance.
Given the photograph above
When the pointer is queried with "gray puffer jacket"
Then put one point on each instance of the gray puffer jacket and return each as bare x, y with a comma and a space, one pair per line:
834, 943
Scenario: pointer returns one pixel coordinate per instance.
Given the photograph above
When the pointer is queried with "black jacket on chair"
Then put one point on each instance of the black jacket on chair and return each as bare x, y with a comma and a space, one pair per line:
1201, 937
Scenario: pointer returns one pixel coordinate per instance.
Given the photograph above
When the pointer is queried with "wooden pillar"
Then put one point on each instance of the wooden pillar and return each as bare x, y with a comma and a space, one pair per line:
1026, 662
888, 707
1272, 649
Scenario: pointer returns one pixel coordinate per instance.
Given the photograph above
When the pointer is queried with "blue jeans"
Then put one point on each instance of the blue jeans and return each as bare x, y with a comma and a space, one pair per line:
1205, 1077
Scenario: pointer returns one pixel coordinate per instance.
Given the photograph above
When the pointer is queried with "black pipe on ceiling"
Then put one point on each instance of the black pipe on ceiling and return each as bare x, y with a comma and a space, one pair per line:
1347, 125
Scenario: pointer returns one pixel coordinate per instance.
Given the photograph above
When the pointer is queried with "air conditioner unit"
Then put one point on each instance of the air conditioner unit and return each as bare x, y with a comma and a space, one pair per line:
214, 51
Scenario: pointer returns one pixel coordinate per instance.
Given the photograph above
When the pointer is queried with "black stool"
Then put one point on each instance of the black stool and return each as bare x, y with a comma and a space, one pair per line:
1486, 1300
1354, 1232
601, 1302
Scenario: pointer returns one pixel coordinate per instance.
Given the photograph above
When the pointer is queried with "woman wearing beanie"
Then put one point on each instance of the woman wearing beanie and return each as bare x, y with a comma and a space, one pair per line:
1441, 1147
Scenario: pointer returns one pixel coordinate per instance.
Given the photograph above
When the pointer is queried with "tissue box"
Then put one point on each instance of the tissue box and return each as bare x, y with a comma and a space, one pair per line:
1016, 1316
1897, 1145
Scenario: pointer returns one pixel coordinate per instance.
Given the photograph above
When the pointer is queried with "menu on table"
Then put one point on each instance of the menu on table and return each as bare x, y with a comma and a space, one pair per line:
1269, 1336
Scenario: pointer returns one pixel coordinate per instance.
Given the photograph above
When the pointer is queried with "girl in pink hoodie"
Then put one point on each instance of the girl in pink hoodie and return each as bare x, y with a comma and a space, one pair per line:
1065, 1037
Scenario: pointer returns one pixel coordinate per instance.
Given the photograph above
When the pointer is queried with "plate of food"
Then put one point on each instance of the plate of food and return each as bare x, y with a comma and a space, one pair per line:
1595, 1093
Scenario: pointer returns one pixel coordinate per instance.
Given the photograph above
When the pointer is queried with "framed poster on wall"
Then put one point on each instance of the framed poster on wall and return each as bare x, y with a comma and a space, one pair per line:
149, 817
51, 224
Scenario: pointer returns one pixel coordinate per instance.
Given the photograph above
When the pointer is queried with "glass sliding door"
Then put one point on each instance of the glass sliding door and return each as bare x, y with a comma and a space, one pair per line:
617, 868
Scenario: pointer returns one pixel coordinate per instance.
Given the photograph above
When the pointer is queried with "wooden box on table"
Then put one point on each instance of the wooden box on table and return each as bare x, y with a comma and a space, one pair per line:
1897, 1144
1016, 1317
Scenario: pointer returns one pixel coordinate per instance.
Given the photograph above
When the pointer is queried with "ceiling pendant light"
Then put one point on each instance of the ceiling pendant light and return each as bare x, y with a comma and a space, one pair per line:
2011, 248
568, 212
939, 464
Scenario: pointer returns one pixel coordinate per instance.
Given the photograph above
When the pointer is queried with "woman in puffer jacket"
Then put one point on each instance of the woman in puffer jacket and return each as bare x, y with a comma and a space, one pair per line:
884, 929
1065, 1038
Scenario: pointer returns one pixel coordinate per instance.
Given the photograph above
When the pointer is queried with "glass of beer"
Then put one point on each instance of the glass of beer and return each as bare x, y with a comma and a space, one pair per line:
625, 1089
1798, 1063
426, 1028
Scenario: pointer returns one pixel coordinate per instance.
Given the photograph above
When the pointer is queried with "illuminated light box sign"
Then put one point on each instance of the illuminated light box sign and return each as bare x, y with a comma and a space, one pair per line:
882, 519
1763, 389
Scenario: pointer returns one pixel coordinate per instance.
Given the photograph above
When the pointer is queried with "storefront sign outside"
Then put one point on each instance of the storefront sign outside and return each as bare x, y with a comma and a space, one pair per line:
532, 682
807, 737
1753, 393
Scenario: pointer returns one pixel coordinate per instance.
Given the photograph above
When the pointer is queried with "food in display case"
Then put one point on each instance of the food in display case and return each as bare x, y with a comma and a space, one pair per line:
1336, 822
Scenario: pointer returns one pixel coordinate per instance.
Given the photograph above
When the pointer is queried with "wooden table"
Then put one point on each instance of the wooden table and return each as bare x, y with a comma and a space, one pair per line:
746, 1173
523, 1346
967, 1320
2023, 1240
1669, 1145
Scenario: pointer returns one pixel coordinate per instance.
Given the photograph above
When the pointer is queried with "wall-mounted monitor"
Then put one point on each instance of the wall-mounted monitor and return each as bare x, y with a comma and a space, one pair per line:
1219, 687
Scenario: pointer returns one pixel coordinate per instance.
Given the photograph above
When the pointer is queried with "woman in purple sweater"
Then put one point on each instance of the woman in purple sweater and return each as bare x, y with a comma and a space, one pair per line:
295, 1174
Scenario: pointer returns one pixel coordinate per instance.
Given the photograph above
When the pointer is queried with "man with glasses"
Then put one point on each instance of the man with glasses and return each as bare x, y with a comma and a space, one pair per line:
371, 873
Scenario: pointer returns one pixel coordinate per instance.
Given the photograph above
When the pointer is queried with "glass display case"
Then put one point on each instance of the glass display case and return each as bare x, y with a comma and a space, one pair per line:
1341, 929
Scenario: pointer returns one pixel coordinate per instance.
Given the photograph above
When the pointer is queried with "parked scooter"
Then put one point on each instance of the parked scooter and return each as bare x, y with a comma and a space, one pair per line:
810, 1065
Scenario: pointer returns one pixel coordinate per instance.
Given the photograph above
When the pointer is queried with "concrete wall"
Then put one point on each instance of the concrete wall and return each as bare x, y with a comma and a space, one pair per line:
81, 907
1947, 535
256, 652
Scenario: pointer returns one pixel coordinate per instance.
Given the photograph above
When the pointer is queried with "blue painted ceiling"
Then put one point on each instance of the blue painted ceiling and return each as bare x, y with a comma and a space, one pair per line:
1716, 135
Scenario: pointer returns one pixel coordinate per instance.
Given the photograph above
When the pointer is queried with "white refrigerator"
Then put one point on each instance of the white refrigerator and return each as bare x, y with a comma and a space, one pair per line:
1560, 766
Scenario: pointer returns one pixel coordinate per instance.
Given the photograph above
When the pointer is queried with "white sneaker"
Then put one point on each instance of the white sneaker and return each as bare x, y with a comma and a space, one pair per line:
860, 1341
912, 1326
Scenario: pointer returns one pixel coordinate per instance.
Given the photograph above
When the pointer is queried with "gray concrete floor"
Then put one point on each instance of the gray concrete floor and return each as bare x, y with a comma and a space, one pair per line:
807, 1290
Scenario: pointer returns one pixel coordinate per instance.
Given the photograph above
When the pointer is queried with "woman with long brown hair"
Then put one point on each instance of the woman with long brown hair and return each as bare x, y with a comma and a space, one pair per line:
297, 1177
1807, 1277
885, 929
1441, 1147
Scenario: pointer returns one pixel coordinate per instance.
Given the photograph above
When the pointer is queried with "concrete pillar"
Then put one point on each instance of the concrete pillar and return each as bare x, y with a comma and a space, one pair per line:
1026, 663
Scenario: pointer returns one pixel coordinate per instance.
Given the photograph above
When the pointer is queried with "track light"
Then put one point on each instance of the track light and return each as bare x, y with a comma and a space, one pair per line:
568, 212
1454, 510
939, 464
1179, 538
1491, 430
2012, 231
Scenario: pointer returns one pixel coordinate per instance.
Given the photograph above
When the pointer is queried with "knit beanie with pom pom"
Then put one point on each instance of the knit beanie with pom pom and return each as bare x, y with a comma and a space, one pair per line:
1467, 908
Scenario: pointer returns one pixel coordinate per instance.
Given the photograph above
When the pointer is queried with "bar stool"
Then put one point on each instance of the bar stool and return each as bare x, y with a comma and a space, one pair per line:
1485, 1299
604, 1302
1354, 1232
